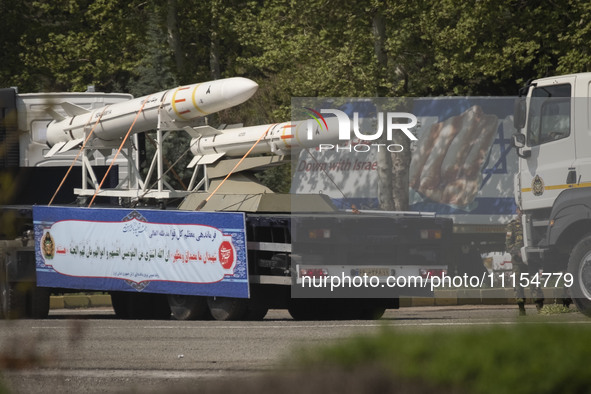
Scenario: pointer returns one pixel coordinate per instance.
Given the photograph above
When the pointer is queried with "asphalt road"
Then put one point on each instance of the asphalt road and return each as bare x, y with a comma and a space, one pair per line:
89, 351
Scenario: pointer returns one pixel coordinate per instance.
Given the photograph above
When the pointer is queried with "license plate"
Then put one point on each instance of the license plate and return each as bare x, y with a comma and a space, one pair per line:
374, 271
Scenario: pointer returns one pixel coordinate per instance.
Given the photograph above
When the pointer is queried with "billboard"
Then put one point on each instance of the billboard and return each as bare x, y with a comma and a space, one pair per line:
154, 251
461, 161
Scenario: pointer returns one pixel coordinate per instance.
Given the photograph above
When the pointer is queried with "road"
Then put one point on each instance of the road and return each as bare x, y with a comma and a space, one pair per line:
90, 351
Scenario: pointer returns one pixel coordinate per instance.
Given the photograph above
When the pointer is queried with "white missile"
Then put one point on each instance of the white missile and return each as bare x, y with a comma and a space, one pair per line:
210, 144
170, 110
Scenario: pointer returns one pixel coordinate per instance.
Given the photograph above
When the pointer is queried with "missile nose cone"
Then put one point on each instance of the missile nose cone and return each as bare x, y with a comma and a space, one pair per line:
237, 90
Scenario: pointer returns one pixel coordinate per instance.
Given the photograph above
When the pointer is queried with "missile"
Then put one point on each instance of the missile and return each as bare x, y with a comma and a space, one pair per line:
209, 144
172, 109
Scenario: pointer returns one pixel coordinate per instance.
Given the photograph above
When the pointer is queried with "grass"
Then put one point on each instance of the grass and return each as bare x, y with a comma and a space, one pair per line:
524, 359
554, 309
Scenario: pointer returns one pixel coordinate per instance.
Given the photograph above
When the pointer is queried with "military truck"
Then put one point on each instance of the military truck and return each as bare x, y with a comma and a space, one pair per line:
552, 186
147, 250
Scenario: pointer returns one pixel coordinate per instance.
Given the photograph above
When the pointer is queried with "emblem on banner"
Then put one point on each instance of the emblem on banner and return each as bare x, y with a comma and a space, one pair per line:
48, 246
226, 255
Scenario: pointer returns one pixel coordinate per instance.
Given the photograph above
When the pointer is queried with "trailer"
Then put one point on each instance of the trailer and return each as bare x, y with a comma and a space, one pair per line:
462, 167
231, 250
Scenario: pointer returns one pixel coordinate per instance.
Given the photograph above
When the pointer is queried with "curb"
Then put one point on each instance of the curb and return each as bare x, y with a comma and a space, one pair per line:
442, 298
79, 301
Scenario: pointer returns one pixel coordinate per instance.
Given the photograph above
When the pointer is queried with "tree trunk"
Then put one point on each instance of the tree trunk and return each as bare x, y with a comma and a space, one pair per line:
173, 36
385, 186
393, 167
400, 172
214, 47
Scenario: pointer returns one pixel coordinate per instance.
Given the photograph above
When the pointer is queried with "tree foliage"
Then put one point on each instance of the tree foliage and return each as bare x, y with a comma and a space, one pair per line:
292, 48
315, 48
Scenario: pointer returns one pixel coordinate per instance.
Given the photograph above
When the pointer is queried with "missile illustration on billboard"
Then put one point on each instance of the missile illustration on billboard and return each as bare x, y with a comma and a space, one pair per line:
210, 144
172, 109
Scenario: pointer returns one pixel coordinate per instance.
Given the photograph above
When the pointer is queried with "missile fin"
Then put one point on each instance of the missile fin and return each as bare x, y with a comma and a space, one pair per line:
70, 144
54, 114
73, 109
206, 159
191, 132
202, 131
54, 149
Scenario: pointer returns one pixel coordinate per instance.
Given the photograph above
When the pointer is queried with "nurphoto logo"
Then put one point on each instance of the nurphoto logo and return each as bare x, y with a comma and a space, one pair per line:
388, 122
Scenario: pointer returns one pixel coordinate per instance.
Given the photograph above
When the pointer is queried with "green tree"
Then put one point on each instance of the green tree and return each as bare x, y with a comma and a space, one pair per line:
392, 48
70, 44
575, 55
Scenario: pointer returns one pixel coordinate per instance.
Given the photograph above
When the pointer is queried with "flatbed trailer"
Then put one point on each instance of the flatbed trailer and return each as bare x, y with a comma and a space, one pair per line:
286, 238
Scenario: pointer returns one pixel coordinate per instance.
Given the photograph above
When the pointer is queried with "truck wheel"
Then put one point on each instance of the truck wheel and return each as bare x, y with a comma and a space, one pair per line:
307, 309
160, 310
227, 308
300, 312
370, 312
129, 305
17, 301
148, 306
120, 305
12, 304
579, 265
38, 307
256, 312
4, 292
185, 307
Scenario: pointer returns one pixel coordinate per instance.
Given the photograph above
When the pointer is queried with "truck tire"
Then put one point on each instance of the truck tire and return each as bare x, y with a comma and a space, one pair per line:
17, 301
11, 305
185, 307
579, 265
158, 304
38, 305
21, 299
371, 312
301, 310
4, 291
256, 312
316, 309
120, 304
227, 308
139, 306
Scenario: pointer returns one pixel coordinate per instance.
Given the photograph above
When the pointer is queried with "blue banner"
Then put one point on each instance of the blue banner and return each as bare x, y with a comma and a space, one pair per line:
153, 251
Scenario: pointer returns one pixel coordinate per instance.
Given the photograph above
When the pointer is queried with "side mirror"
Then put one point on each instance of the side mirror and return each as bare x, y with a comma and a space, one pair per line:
519, 144
519, 113
519, 140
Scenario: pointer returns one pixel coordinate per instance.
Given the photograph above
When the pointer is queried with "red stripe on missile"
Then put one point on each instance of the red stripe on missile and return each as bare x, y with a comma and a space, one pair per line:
179, 100
285, 137
184, 112
184, 88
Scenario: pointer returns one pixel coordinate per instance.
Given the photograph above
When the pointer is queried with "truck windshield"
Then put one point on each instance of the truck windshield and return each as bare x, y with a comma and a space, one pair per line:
549, 114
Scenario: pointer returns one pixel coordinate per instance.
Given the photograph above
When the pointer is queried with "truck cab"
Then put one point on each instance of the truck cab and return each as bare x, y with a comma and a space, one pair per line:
553, 185
27, 177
